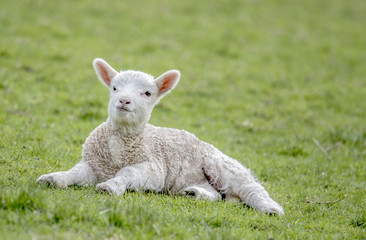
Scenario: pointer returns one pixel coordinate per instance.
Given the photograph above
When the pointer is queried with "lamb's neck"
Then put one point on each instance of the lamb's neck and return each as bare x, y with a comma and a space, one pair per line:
127, 132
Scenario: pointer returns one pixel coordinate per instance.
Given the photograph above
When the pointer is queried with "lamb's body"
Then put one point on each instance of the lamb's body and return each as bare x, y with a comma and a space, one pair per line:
126, 152
175, 155
178, 158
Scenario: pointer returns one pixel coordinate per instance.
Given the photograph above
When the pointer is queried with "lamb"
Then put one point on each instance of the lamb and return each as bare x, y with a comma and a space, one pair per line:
128, 153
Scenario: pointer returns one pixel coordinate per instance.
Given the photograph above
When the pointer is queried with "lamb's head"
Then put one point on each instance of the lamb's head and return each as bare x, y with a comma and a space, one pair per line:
133, 94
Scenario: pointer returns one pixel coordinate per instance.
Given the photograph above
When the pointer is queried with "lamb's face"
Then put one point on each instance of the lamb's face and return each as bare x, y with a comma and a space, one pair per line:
133, 95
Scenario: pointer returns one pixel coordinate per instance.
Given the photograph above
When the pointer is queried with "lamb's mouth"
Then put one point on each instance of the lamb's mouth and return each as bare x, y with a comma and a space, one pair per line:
122, 109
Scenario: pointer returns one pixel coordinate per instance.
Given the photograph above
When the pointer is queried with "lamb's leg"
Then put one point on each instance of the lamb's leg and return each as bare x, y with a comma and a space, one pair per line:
202, 191
143, 176
235, 180
254, 195
80, 174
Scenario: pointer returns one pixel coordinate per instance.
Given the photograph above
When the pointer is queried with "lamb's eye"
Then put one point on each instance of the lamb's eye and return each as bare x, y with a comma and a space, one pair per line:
114, 89
147, 93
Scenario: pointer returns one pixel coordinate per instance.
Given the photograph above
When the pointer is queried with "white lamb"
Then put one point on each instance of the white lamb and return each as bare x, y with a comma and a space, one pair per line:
126, 152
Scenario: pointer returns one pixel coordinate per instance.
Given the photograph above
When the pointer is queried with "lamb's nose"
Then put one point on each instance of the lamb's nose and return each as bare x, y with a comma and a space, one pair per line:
124, 101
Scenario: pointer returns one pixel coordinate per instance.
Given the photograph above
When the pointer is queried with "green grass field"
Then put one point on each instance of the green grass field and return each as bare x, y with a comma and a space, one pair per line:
278, 85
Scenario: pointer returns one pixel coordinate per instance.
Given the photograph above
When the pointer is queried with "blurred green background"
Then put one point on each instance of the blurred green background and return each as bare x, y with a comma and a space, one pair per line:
279, 85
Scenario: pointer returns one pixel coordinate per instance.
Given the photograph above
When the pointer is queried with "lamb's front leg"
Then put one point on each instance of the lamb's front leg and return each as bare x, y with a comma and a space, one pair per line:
202, 191
143, 176
80, 174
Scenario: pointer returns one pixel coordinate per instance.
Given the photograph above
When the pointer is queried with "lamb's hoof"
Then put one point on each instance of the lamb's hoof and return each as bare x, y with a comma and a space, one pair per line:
52, 180
190, 193
104, 188
274, 209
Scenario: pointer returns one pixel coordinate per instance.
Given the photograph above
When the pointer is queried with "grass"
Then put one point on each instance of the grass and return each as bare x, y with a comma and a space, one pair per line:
279, 85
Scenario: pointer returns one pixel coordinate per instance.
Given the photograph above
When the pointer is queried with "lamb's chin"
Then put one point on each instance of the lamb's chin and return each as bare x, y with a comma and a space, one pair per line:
123, 116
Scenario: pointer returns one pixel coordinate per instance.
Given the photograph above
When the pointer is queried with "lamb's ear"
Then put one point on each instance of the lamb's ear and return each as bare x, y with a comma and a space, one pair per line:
104, 72
167, 82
